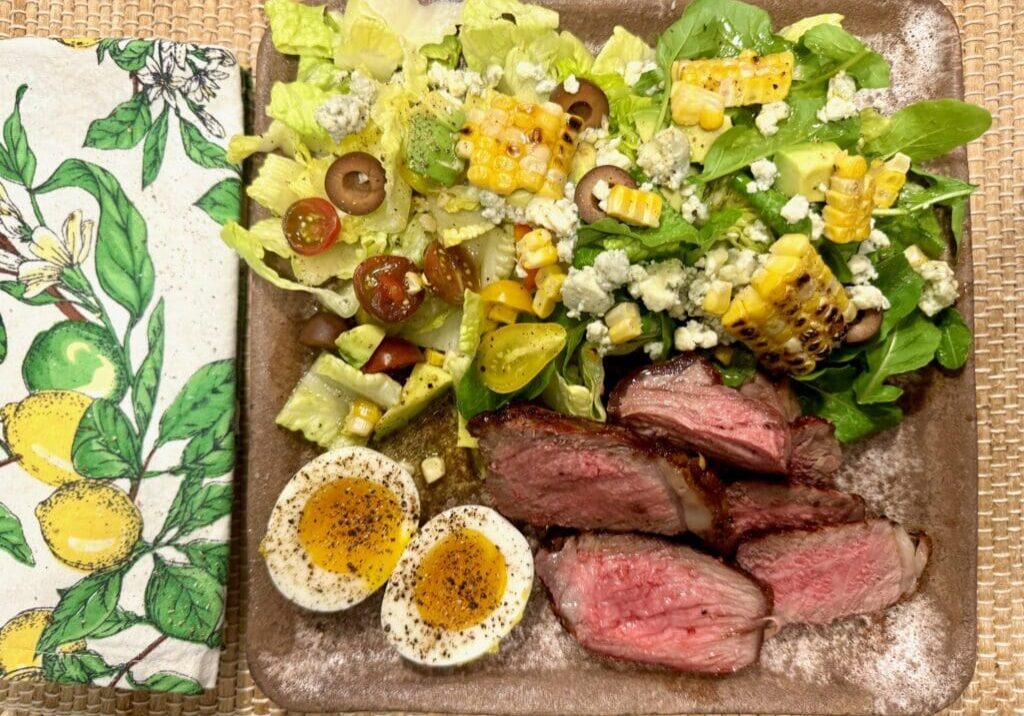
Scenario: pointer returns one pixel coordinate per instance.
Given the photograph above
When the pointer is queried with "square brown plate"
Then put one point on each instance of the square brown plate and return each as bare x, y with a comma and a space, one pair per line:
912, 660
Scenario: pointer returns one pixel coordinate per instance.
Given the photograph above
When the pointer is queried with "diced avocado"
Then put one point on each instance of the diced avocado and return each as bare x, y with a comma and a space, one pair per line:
430, 150
804, 167
794, 32
646, 121
425, 383
702, 139
583, 161
356, 345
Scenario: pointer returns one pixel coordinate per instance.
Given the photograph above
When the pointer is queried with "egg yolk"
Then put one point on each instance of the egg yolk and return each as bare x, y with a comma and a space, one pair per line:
460, 581
354, 526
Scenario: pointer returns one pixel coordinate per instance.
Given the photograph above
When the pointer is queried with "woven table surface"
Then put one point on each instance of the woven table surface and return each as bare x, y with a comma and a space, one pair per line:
993, 43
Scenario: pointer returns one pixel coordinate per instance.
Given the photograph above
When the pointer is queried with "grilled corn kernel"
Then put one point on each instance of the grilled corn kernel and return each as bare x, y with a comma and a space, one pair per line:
361, 418
549, 290
793, 312
434, 358
716, 300
519, 146
500, 313
433, 468
693, 105
623, 323
849, 200
633, 206
890, 177
740, 81
537, 249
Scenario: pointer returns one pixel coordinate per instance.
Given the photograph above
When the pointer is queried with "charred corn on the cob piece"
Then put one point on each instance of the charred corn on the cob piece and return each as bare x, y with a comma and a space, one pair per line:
633, 206
794, 311
549, 290
693, 105
537, 249
512, 146
743, 80
889, 177
849, 200
623, 323
362, 418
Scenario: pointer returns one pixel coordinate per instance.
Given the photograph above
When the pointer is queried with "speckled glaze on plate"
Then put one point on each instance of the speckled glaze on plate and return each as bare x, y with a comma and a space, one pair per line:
913, 659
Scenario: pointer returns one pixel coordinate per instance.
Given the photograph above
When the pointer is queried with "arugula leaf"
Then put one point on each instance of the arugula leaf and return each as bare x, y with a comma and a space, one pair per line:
837, 257
640, 244
926, 130
911, 345
472, 397
920, 229
830, 395
739, 370
710, 28
743, 145
768, 204
846, 52
902, 286
955, 340
942, 190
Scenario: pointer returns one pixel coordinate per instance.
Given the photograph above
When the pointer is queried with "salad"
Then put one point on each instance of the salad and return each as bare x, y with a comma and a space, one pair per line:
485, 206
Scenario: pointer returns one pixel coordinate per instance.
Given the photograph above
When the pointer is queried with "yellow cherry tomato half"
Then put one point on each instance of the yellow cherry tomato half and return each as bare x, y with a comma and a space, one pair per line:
508, 293
511, 356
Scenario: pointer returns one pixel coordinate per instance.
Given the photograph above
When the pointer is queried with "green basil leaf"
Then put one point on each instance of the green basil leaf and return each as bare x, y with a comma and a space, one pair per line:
154, 148
930, 129
106, 445
911, 345
209, 556
715, 28
123, 128
205, 400
20, 160
200, 149
168, 682
183, 601
955, 342
147, 380
12, 537
77, 667
223, 201
123, 264
82, 609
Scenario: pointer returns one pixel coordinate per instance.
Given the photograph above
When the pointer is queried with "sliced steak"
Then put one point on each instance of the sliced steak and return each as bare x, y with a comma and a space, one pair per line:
818, 576
779, 394
649, 600
817, 455
755, 508
684, 402
550, 469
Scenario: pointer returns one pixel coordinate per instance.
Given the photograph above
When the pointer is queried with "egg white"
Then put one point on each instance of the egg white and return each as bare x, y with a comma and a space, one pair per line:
294, 574
436, 646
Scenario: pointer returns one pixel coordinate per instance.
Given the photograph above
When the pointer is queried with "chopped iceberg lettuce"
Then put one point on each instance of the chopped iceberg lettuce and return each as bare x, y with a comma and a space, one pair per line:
300, 29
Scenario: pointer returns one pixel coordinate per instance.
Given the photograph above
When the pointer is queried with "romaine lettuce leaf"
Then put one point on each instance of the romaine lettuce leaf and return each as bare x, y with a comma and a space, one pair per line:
279, 137
300, 29
621, 48
366, 42
416, 23
272, 186
488, 36
294, 104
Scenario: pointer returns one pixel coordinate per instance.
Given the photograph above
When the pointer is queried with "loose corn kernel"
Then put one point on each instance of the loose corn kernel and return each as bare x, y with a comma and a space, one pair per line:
890, 177
724, 354
433, 468
537, 250
633, 206
716, 300
740, 81
549, 290
794, 311
693, 105
623, 323
519, 146
361, 418
500, 313
434, 358
849, 200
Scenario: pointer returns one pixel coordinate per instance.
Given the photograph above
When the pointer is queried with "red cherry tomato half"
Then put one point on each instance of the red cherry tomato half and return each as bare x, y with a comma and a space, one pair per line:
530, 281
450, 271
393, 353
311, 226
381, 288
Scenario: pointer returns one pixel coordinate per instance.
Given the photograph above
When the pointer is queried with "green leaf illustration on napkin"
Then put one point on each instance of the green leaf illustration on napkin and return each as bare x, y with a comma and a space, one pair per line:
12, 537
183, 601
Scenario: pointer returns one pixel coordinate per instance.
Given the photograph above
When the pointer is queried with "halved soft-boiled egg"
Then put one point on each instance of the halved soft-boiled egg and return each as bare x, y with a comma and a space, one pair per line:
460, 587
339, 527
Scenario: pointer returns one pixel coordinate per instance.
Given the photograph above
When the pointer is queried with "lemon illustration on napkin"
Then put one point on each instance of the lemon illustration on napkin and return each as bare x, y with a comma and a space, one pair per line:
89, 525
18, 640
41, 429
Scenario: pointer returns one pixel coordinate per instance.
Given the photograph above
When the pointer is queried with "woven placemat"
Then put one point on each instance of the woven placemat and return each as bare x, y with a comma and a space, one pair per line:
993, 39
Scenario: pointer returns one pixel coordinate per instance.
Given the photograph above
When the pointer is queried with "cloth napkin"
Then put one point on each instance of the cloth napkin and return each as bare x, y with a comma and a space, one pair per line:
118, 309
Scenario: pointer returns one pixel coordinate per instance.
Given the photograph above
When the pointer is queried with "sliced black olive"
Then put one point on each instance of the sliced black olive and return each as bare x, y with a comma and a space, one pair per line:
321, 330
585, 200
589, 103
864, 326
355, 183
